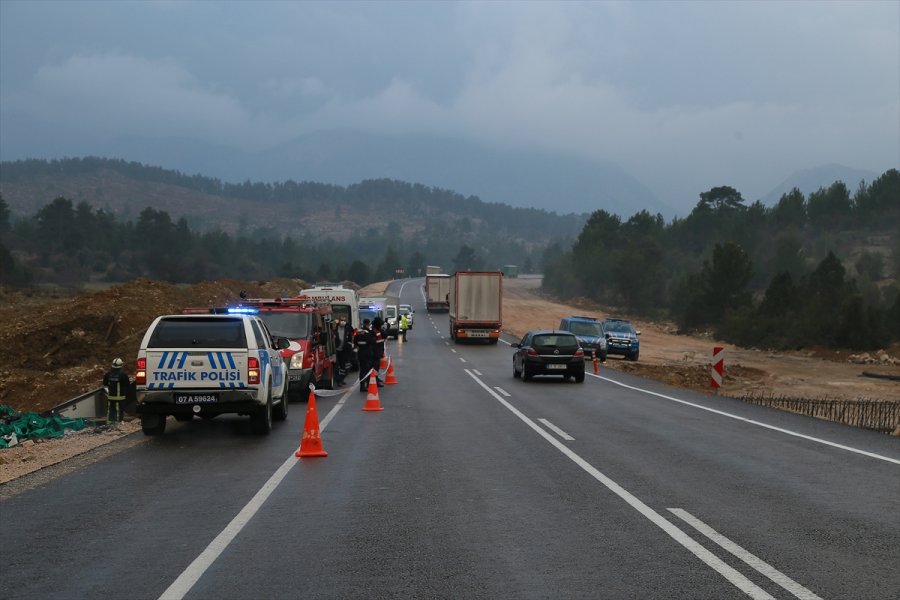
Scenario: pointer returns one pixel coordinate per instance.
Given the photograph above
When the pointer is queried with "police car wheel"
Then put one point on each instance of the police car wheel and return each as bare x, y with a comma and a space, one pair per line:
281, 411
153, 424
261, 420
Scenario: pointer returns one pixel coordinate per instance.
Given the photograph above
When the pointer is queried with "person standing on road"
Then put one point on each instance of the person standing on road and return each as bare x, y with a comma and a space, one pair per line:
116, 382
364, 342
378, 329
404, 325
337, 334
343, 344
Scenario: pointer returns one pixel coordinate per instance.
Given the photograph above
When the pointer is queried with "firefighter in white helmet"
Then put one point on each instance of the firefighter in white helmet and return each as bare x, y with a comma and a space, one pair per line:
116, 382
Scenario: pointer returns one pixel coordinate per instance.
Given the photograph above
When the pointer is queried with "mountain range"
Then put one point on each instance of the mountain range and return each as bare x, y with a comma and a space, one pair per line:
516, 177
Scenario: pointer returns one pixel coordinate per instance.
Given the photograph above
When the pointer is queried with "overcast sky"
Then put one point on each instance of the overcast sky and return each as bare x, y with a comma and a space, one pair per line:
683, 95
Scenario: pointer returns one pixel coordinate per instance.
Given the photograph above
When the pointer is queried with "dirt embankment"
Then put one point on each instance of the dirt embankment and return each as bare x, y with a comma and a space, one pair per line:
56, 347
684, 361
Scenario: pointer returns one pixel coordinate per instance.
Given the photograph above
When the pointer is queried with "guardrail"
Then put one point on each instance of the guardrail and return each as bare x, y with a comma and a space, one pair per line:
88, 405
91, 405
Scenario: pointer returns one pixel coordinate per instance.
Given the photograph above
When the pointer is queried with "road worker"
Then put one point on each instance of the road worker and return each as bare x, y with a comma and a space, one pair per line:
116, 382
404, 325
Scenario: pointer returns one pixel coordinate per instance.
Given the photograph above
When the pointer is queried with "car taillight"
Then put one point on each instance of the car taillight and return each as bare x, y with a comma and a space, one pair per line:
253, 370
532, 352
140, 373
579, 353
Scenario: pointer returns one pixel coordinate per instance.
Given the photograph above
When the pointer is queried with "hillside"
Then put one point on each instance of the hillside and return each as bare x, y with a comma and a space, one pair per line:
292, 208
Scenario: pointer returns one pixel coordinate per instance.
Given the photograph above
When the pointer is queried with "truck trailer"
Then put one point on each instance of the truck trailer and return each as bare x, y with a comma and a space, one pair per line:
476, 305
437, 293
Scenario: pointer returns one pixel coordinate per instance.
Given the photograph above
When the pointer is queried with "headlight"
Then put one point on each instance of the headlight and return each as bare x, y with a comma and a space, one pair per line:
297, 360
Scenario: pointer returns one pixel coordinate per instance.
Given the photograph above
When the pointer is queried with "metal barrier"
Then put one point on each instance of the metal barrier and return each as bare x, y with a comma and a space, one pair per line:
88, 405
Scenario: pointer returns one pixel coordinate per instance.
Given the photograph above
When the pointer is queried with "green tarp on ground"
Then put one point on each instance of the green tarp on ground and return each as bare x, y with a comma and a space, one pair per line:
16, 427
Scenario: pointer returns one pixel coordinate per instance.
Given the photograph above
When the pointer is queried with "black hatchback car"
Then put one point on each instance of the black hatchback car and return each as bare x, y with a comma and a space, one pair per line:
548, 352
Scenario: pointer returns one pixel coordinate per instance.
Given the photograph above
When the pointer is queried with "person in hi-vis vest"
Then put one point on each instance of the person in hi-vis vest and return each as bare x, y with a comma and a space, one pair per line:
116, 382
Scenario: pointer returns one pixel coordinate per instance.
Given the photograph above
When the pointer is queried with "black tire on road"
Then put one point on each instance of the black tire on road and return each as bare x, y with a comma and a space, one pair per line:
579, 377
280, 412
153, 424
261, 420
516, 373
526, 375
634, 355
327, 382
184, 418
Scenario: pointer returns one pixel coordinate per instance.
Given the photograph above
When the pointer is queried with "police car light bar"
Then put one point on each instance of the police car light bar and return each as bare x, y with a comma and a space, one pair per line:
242, 310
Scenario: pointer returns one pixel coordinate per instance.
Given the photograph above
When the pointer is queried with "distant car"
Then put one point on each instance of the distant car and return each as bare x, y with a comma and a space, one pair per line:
589, 332
548, 352
621, 338
406, 309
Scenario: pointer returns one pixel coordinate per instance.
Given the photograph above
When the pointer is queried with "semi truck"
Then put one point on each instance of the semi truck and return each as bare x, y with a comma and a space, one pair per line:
437, 293
476, 305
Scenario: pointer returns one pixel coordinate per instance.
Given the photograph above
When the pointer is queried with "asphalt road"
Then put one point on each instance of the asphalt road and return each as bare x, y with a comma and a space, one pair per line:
472, 484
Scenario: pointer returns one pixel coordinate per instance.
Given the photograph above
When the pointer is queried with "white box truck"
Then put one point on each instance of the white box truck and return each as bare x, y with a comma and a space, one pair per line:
437, 293
476, 305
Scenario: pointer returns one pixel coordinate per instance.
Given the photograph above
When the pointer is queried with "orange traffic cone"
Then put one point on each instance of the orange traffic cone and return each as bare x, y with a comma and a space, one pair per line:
383, 364
390, 379
373, 402
311, 443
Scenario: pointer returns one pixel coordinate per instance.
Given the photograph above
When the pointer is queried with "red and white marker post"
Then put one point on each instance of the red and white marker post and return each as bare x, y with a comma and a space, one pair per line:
718, 367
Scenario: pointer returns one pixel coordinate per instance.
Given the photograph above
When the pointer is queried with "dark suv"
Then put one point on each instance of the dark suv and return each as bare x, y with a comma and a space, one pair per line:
621, 338
548, 352
589, 332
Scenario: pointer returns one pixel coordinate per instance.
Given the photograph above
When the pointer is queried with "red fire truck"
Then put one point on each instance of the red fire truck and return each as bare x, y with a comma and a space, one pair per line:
307, 324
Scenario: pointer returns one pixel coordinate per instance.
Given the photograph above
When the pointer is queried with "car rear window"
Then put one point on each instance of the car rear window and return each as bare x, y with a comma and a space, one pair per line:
198, 333
556, 340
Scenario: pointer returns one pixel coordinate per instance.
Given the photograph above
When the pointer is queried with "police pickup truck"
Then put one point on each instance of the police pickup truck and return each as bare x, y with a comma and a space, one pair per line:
207, 365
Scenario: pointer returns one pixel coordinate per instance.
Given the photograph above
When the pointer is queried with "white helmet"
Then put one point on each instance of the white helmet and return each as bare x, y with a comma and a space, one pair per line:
118, 363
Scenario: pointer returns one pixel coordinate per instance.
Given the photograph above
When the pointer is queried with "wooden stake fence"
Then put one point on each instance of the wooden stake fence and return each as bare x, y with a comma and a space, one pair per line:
880, 415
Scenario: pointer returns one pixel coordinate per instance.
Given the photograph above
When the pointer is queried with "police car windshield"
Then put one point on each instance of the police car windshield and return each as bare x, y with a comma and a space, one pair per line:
391, 312
619, 327
585, 329
287, 324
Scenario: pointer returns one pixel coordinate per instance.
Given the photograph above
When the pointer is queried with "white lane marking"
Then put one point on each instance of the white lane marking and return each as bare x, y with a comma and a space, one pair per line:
184, 582
502, 391
752, 422
733, 576
507, 343
754, 561
461, 359
557, 430
453, 350
477, 373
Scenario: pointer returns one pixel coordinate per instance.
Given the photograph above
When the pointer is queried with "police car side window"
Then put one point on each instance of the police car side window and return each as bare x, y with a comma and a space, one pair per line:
260, 340
267, 334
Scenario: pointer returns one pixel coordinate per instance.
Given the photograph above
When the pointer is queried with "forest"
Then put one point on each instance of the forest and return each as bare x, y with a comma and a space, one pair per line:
821, 270
809, 271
